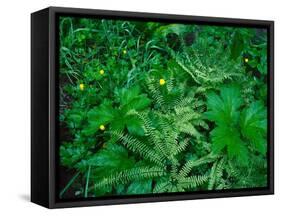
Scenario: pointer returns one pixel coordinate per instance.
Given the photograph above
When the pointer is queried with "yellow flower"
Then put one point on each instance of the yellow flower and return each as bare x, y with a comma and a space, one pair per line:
246, 60
102, 127
101, 72
162, 82
124, 52
81, 86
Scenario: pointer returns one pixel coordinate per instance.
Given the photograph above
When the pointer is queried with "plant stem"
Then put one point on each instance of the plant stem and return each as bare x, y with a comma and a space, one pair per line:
69, 184
87, 182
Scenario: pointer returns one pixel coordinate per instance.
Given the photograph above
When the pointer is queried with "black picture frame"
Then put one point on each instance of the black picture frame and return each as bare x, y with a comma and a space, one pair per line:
44, 99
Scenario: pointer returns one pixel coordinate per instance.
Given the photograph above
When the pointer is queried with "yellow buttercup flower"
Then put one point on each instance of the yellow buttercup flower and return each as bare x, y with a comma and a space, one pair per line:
81, 86
162, 82
101, 72
246, 60
102, 127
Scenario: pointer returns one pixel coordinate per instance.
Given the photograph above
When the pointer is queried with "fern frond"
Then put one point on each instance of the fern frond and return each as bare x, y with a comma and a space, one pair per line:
187, 167
188, 128
181, 147
162, 187
216, 173
170, 84
154, 136
174, 171
186, 112
139, 147
183, 102
232, 170
185, 170
206, 159
201, 123
186, 69
220, 167
204, 68
192, 181
126, 176
155, 92
197, 103
171, 136
213, 176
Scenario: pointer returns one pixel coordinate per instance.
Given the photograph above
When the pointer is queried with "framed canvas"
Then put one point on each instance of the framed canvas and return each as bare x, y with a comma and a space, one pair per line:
139, 107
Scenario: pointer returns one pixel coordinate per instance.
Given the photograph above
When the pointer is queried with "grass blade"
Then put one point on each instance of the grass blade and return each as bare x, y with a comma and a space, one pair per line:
68, 184
87, 182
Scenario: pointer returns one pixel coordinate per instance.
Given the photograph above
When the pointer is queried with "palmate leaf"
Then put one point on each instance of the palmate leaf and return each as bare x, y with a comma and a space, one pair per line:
253, 123
70, 153
228, 137
121, 116
113, 157
132, 99
100, 115
224, 111
223, 108
129, 120
135, 126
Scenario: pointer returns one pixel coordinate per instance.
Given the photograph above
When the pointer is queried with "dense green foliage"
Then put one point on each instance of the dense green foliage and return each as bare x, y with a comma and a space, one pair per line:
150, 107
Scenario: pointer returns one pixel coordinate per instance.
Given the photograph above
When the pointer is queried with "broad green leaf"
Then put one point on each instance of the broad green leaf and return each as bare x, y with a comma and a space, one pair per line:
139, 103
113, 157
132, 99
253, 123
70, 153
100, 115
127, 95
223, 108
218, 138
229, 138
238, 149
135, 126
237, 45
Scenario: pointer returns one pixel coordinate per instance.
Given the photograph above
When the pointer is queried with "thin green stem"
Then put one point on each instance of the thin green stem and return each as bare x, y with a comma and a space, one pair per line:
87, 182
69, 184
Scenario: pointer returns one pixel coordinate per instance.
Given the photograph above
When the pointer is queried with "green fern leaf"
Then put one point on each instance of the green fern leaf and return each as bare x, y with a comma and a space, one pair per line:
193, 181
139, 147
132, 174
